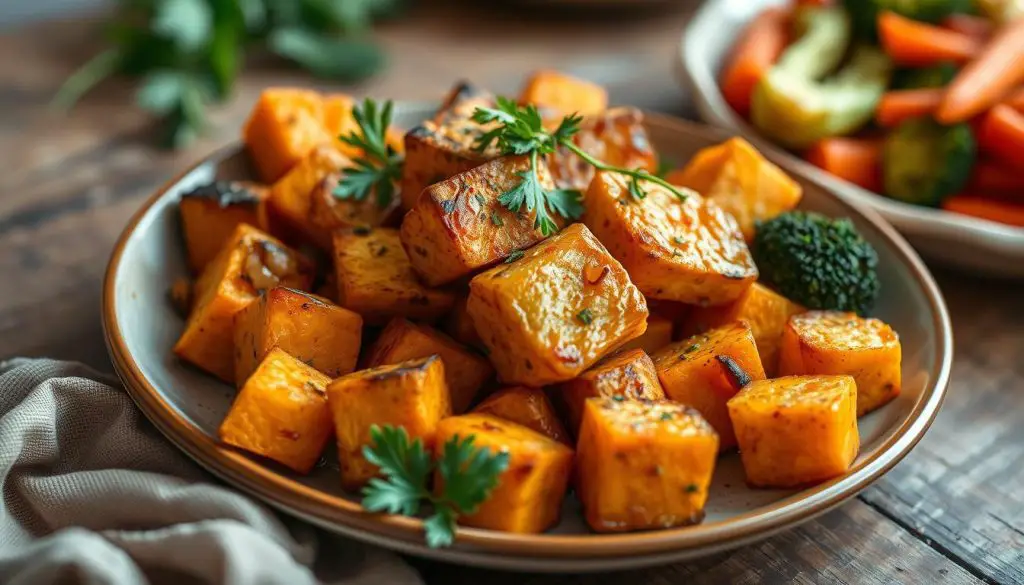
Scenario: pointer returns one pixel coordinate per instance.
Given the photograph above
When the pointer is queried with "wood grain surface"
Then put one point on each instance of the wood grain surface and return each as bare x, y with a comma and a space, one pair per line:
952, 512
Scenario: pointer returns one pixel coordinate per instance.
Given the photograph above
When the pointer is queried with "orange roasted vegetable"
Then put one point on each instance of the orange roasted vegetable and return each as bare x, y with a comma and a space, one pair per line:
465, 371
281, 413
708, 369
796, 430
411, 395
458, 227
376, 280
530, 491
688, 251
628, 374
210, 213
564, 94
284, 126
616, 137
833, 342
525, 406
250, 262
657, 336
643, 465
553, 311
314, 330
460, 326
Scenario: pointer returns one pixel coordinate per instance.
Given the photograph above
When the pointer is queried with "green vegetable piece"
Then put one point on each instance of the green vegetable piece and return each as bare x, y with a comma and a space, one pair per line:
925, 77
923, 162
822, 36
865, 12
819, 262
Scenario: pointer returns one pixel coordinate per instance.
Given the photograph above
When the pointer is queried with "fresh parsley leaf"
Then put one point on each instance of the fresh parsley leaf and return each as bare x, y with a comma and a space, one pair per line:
440, 528
406, 466
380, 167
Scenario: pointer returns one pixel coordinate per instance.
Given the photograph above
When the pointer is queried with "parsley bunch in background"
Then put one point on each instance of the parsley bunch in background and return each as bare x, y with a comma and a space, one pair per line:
187, 54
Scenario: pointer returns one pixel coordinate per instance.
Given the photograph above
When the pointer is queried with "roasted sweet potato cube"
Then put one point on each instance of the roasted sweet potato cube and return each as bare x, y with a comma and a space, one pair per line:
209, 214
706, 370
465, 370
281, 413
643, 465
411, 395
765, 310
376, 280
689, 251
549, 315
460, 326
628, 374
741, 181
657, 336
796, 430
616, 136
530, 491
284, 126
525, 406
458, 226
564, 94
311, 328
833, 342
250, 262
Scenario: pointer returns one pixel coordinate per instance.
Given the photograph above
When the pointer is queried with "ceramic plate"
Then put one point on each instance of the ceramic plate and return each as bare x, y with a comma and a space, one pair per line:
954, 239
187, 405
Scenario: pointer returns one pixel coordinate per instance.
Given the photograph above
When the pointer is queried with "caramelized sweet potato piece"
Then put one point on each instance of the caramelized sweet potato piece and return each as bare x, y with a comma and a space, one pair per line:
687, 251
657, 336
616, 137
411, 395
250, 262
376, 280
525, 406
643, 465
549, 315
281, 413
284, 126
209, 214
628, 374
833, 342
564, 94
708, 369
465, 370
530, 491
459, 325
796, 430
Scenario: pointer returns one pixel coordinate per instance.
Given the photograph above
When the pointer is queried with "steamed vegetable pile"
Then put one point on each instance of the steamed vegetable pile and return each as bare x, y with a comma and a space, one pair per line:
920, 100
508, 296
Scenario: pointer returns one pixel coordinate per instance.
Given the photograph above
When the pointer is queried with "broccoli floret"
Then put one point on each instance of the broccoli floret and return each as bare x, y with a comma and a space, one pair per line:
939, 75
923, 162
819, 262
864, 13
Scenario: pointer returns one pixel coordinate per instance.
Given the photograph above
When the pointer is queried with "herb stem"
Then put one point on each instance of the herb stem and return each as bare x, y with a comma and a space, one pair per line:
638, 174
86, 77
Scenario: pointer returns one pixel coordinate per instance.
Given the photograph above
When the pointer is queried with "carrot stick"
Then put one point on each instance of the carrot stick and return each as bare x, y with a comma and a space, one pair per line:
1001, 134
970, 25
994, 178
1016, 100
984, 208
985, 81
899, 105
858, 161
917, 44
752, 57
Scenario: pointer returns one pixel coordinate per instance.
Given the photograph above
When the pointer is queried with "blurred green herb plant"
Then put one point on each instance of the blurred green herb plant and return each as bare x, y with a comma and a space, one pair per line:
187, 54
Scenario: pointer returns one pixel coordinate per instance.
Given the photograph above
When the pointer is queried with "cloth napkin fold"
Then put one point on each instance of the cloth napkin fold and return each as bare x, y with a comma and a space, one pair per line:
92, 493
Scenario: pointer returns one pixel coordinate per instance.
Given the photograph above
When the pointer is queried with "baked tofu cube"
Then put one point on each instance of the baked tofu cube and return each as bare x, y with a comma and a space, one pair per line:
460, 326
797, 430
564, 94
304, 198
210, 213
376, 280
688, 251
833, 342
549, 315
616, 137
281, 413
311, 328
765, 310
249, 263
284, 126
411, 395
628, 374
657, 336
741, 181
706, 370
458, 226
530, 491
465, 371
525, 406
643, 465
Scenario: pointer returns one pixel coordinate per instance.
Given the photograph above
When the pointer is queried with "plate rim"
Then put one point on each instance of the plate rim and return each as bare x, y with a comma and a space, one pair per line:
545, 551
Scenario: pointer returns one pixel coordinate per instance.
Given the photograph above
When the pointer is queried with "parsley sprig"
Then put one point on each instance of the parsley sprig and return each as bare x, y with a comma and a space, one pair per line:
468, 476
379, 167
519, 130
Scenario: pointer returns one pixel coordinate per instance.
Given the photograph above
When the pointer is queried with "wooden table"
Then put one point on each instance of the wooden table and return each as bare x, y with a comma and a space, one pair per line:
953, 511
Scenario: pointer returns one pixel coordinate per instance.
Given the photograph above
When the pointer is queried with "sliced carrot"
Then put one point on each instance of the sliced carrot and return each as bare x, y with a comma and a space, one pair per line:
899, 105
988, 79
858, 161
1016, 100
757, 50
917, 44
1001, 134
974, 26
994, 178
985, 208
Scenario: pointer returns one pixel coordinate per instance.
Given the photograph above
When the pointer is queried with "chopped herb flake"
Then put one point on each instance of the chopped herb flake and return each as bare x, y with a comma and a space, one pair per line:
361, 230
586, 316
496, 219
480, 199
691, 488
515, 255
666, 416
618, 397
448, 206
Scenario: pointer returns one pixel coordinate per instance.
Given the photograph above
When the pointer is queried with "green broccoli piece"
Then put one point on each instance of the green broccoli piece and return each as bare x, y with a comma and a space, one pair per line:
819, 262
935, 76
864, 13
923, 162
